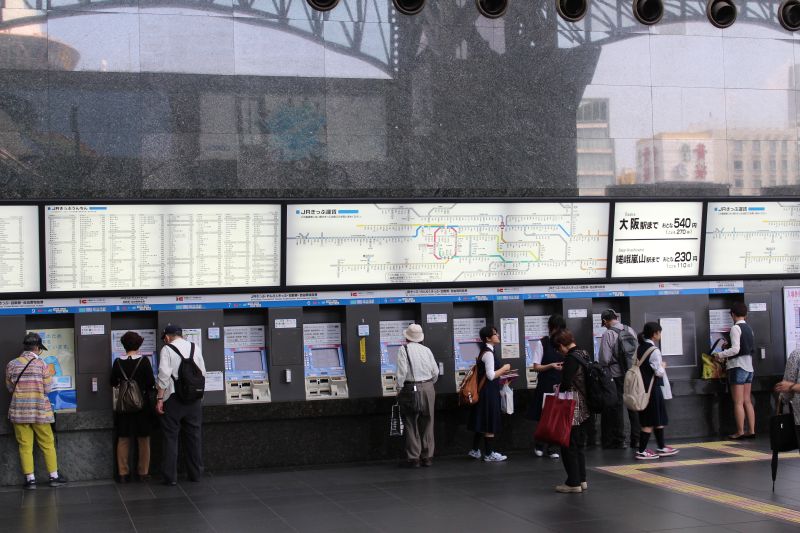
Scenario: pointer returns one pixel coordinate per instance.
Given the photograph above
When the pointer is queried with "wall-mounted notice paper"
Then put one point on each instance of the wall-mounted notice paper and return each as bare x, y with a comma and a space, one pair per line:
671, 336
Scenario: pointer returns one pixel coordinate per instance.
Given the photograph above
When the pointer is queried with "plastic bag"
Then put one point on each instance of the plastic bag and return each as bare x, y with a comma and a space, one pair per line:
666, 388
507, 400
396, 422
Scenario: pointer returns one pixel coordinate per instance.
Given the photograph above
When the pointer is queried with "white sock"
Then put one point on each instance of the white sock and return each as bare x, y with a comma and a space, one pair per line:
30, 477
54, 474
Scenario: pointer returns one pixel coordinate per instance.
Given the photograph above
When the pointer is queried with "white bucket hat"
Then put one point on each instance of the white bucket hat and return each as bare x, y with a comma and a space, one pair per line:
414, 333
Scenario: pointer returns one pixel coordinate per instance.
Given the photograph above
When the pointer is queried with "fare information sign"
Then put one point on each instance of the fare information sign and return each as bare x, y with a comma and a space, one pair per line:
656, 239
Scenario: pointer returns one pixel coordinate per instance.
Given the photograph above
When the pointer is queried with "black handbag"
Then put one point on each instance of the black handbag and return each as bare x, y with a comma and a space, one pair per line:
411, 396
782, 434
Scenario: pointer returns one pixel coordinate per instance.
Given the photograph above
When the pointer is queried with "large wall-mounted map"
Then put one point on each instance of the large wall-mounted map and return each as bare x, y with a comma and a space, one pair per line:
336, 244
752, 238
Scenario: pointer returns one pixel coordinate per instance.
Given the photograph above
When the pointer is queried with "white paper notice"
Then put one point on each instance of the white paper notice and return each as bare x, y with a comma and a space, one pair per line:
720, 320
94, 329
757, 306
285, 323
437, 318
194, 335
671, 336
509, 338
214, 381
536, 326
577, 313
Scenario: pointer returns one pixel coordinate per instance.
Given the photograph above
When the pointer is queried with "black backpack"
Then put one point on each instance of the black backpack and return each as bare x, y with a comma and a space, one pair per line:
601, 391
191, 383
625, 350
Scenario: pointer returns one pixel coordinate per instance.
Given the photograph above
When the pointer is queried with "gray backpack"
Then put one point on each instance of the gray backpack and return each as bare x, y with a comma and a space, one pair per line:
127, 395
625, 349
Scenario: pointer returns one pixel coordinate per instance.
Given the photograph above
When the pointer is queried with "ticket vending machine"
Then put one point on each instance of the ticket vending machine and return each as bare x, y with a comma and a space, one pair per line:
392, 340
535, 329
246, 374
466, 345
323, 361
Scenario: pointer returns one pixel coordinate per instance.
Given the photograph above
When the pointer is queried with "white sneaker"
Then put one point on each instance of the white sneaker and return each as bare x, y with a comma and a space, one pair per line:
666, 452
537, 452
646, 455
475, 454
495, 457
554, 455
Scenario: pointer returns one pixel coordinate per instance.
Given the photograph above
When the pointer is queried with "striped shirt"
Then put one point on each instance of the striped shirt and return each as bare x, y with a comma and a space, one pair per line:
29, 402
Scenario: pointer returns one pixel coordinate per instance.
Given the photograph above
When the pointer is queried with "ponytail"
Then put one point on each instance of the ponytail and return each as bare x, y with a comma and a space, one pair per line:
650, 329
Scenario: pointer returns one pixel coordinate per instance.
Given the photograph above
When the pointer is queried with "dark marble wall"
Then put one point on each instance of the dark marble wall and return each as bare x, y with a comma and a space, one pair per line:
255, 98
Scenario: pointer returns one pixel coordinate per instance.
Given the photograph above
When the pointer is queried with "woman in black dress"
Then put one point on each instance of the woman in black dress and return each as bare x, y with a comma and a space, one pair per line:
549, 369
484, 416
654, 417
130, 425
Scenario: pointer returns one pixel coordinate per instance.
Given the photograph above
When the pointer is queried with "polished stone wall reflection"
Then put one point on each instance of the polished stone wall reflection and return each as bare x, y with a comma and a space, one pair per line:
255, 98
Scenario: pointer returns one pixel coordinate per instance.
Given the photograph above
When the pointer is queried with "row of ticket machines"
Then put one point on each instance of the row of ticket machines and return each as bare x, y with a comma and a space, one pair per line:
319, 353
246, 375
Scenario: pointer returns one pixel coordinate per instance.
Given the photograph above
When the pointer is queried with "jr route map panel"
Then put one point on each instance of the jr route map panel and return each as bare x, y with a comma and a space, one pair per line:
752, 238
443, 243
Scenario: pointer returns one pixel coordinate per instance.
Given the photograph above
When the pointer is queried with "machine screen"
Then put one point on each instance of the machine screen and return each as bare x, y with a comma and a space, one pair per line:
248, 361
325, 358
392, 350
469, 351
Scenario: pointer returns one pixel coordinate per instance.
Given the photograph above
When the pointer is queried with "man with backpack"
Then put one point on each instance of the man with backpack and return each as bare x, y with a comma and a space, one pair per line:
617, 349
181, 381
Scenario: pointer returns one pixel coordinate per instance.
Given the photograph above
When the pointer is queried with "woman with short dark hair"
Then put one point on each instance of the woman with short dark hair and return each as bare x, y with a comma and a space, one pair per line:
484, 416
573, 379
130, 425
548, 364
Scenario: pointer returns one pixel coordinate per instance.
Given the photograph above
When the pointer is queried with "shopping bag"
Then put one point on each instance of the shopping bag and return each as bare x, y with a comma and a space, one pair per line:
555, 424
396, 422
507, 400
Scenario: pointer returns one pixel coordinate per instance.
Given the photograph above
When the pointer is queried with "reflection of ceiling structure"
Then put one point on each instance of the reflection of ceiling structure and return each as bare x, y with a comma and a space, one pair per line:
610, 20
346, 36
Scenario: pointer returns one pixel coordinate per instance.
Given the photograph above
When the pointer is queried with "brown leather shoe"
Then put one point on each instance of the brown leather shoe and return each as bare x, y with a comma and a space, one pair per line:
411, 463
427, 461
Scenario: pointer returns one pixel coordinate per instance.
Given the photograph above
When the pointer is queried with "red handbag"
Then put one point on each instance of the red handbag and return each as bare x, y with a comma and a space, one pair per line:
555, 424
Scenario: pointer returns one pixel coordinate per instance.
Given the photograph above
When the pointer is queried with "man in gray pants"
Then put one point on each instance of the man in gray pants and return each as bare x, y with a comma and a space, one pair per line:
417, 369
177, 413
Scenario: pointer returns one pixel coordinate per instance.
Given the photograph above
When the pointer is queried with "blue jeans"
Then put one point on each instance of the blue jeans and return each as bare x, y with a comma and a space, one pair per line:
739, 376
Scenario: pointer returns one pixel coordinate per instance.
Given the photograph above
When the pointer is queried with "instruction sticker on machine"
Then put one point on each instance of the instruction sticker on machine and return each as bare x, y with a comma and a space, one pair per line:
60, 358
509, 338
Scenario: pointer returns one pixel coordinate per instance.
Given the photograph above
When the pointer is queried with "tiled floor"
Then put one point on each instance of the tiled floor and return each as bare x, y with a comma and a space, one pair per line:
456, 494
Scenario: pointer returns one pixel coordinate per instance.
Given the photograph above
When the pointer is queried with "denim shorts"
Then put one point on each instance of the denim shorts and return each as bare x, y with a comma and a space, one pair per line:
739, 376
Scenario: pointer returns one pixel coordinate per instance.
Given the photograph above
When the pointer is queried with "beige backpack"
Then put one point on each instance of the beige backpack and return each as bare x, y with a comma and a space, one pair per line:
634, 395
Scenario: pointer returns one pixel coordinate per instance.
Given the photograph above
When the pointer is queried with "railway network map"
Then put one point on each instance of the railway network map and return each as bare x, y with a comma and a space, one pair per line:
752, 238
445, 243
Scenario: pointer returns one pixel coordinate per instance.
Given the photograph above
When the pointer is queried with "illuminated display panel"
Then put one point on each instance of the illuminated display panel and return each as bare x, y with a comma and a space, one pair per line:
123, 247
358, 244
19, 248
656, 239
752, 238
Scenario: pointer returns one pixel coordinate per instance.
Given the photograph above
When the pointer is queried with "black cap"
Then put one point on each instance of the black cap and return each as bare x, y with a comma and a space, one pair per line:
609, 315
172, 329
33, 339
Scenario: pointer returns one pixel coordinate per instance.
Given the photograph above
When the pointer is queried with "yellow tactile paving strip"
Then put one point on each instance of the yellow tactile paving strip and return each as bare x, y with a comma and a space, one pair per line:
734, 453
